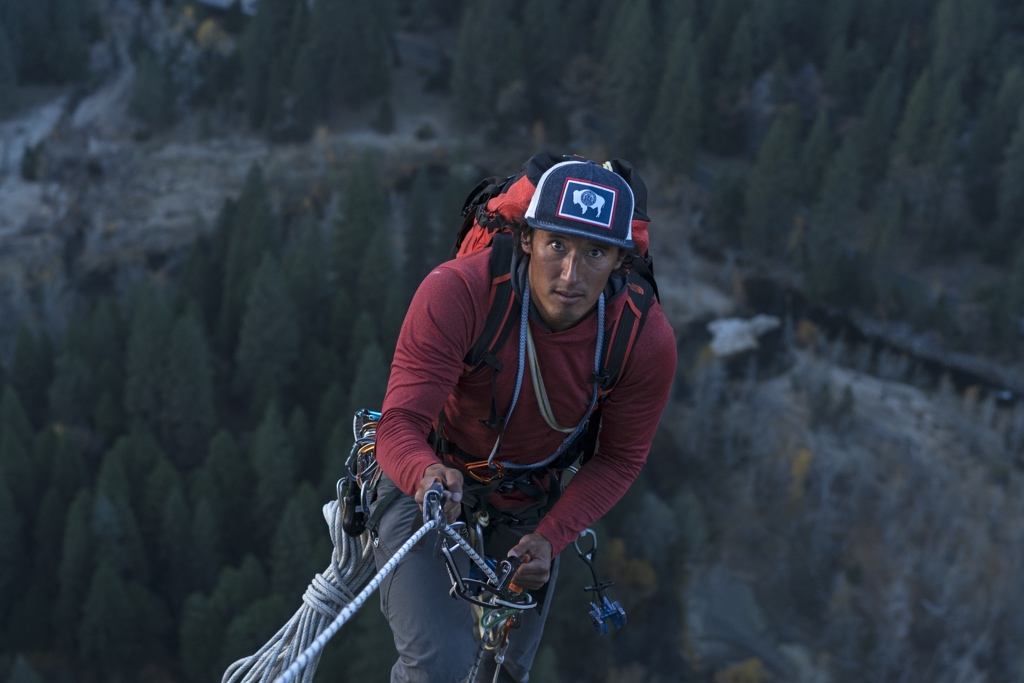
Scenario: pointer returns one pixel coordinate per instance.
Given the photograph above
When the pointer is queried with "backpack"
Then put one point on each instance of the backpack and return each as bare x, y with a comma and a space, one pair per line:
489, 212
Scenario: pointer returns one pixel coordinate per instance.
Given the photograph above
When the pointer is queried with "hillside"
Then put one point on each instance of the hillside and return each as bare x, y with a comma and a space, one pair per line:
825, 508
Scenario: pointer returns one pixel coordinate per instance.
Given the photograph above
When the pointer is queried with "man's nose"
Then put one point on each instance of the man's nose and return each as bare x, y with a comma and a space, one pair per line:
571, 267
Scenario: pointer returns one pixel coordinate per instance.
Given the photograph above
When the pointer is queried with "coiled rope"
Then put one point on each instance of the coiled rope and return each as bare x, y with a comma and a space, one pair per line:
329, 602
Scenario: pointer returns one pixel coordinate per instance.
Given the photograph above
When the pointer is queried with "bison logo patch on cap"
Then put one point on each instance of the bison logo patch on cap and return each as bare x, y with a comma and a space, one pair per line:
587, 202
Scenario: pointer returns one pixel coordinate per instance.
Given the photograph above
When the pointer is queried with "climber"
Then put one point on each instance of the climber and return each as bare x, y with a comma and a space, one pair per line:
499, 435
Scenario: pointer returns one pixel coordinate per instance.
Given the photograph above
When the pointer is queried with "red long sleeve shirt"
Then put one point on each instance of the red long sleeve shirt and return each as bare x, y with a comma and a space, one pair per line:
444, 320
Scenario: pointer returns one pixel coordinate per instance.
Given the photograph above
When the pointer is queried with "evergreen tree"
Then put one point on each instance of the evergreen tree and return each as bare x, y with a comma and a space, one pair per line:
252, 626
376, 274
73, 390
107, 614
201, 629
253, 232
420, 230
306, 272
187, 416
963, 34
330, 413
162, 480
630, 77
273, 461
876, 129
175, 549
370, 381
352, 42
268, 344
75, 572
946, 129
32, 371
301, 437
262, 43
152, 100
13, 558
1005, 237
68, 472
815, 155
987, 143
115, 532
16, 467
912, 135
146, 356
363, 205
837, 204
674, 133
292, 558
473, 82
774, 186
8, 75
231, 481
205, 550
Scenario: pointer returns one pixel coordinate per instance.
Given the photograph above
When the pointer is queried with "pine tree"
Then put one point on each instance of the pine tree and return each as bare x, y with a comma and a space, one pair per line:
837, 204
774, 186
376, 274
262, 42
273, 461
253, 232
16, 467
987, 143
175, 549
630, 77
205, 550
420, 229
8, 75
362, 205
68, 472
876, 129
963, 34
162, 480
152, 100
187, 415
231, 481
473, 83
291, 550
268, 344
73, 390
306, 272
942, 145
13, 556
1005, 237
252, 626
330, 413
201, 629
815, 155
107, 612
912, 135
301, 436
75, 571
347, 34
674, 133
32, 371
370, 381
145, 363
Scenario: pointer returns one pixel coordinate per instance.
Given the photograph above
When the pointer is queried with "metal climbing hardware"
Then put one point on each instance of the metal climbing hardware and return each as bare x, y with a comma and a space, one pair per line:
603, 611
362, 474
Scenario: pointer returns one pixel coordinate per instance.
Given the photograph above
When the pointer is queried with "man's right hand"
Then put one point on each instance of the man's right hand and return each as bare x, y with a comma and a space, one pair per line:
451, 480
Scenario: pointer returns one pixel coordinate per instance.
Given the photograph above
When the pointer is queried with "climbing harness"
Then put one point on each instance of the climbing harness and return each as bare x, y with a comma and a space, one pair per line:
602, 610
336, 594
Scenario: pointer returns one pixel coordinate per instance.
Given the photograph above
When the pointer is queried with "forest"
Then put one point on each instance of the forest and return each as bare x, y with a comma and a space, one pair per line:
164, 458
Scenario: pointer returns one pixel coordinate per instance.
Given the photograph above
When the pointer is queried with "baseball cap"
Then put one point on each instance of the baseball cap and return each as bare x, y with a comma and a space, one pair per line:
586, 199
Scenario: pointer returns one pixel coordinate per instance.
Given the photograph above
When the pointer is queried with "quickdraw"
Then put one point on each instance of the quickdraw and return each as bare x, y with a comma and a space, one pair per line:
602, 610
362, 474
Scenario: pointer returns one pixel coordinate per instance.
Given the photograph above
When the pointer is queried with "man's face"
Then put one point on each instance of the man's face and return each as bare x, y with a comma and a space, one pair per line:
567, 275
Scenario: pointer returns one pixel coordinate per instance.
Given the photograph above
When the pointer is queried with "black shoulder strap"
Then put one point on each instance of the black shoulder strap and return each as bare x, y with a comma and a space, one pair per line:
500, 319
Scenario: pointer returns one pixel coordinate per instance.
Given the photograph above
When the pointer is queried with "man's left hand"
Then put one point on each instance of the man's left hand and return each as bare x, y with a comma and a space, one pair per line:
535, 572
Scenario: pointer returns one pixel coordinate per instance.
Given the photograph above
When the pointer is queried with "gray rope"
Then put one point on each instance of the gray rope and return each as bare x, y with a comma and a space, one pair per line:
330, 592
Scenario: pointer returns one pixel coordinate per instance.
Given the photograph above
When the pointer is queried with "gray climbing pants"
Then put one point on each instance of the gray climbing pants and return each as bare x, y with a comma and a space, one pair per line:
435, 634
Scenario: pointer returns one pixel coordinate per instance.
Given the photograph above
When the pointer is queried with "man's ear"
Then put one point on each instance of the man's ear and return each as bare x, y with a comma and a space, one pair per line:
526, 242
622, 257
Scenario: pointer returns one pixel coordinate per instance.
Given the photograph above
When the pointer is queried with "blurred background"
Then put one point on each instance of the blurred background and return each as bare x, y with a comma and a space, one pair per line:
213, 215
